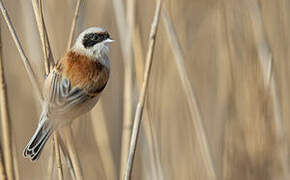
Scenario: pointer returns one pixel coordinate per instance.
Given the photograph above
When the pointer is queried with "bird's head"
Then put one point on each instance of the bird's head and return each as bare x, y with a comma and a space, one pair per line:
93, 42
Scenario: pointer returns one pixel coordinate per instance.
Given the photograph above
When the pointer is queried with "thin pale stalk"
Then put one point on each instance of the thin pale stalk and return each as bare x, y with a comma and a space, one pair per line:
146, 123
15, 161
266, 61
128, 80
127, 115
73, 24
57, 156
47, 54
191, 98
72, 152
224, 88
67, 157
138, 56
50, 163
2, 167
37, 6
102, 140
120, 19
21, 51
141, 101
6, 122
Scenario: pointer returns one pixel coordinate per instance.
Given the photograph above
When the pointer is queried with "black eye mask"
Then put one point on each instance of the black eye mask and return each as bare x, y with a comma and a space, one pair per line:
93, 38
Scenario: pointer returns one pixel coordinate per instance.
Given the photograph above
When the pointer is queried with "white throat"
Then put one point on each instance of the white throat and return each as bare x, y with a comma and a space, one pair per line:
99, 52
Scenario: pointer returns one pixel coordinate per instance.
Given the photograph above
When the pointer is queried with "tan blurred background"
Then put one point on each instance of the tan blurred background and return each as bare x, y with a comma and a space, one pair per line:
223, 42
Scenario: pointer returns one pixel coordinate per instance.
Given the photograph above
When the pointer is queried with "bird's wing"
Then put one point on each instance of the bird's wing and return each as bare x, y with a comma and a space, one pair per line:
63, 100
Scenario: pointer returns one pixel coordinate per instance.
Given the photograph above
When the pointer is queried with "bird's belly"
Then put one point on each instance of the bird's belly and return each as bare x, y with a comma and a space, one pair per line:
63, 118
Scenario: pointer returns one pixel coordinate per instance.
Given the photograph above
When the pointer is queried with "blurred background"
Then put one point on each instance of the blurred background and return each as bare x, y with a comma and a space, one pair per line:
236, 56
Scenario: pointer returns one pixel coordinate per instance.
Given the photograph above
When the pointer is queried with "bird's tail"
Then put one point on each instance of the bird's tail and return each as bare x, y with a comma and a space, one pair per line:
38, 140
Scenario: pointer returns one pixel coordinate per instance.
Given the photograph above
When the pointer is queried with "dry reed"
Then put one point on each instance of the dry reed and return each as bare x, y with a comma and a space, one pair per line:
72, 152
138, 56
141, 101
127, 61
102, 140
2, 168
31, 75
150, 136
5, 122
225, 80
125, 38
21, 51
15, 160
57, 156
47, 54
37, 6
266, 61
67, 157
73, 24
50, 166
190, 94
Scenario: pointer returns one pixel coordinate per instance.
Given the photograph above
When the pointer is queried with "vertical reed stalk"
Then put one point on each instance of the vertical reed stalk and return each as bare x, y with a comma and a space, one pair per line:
138, 56
150, 137
141, 101
15, 161
2, 167
266, 62
72, 152
47, 54
50, 164
146, 123
73, 24
67, 157
190, 96
21, 52
57, 156
125, 38
37, 6
127, 112
5, 121
102, 140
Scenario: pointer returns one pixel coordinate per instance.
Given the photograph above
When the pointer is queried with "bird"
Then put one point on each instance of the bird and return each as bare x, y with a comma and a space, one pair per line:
73, 87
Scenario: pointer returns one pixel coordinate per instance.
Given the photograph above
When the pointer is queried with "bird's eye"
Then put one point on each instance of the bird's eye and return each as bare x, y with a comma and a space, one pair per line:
94, 37
106, 36
100, 37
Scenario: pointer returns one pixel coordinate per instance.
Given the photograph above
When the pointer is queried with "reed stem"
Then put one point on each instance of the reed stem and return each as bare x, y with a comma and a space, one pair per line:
47, 55
24, 59
5, 121
2, 166
125, 37
141, 101
190, 96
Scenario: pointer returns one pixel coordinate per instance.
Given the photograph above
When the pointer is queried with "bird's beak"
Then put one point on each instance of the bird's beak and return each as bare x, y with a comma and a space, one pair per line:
109, 40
